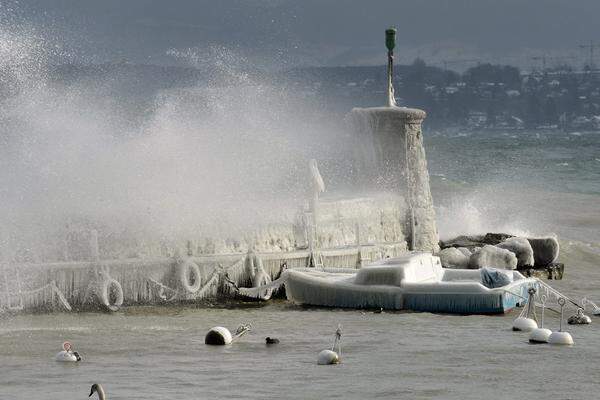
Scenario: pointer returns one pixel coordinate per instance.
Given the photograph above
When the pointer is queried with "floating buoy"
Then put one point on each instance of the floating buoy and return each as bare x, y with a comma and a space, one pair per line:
523, 322
67, 354
270, 340
560, 337
541, 334
328, 357
579, 319
218, 336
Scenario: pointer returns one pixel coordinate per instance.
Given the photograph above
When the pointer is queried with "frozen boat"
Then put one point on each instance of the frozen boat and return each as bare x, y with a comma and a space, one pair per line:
415, 281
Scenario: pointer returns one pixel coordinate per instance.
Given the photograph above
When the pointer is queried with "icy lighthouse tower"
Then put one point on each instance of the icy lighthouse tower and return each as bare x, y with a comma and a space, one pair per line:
391, 157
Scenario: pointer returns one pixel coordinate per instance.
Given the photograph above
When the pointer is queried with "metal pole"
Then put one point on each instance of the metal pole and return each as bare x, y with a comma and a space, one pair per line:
390, 43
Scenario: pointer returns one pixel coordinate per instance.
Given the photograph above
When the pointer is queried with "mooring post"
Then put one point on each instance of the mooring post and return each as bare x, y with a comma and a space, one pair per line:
317, 186
359, 261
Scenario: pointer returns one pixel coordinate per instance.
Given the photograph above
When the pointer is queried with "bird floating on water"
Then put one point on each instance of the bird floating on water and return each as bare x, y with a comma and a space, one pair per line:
97, 388
270, 340
67, 354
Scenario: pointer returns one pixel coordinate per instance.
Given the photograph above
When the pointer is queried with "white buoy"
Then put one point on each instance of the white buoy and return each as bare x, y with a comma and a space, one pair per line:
218, 336
560, 337
541, 334
329, 357
523, 322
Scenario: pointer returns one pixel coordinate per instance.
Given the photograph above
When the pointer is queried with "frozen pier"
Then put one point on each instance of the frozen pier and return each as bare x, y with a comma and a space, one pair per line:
379, 205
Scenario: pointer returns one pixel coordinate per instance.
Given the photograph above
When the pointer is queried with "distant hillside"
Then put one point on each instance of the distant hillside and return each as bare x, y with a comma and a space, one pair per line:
484, 97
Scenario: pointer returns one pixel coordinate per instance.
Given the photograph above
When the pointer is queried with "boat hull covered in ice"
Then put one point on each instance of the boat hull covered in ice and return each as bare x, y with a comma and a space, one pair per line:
415, 282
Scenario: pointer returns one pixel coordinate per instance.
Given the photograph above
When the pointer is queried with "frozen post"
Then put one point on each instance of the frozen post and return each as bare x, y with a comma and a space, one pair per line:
359, 261
317, 186
389, 146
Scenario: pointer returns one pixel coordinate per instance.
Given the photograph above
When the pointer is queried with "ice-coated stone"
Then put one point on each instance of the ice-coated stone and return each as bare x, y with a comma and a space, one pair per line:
545, 250
521, 248
471, 241
465, 251
493, 257
453, 258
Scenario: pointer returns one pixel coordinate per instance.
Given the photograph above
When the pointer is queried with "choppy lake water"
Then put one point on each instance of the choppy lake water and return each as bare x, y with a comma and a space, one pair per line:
159, 353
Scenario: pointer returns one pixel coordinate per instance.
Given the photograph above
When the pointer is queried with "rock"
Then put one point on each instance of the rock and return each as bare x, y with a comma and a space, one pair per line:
493, 257
465, 251
495, 238
545, 250
453, 258
522, 249
462, 241
471, 241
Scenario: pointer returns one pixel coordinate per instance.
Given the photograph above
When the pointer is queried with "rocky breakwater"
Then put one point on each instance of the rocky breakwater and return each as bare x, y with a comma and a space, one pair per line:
531, 256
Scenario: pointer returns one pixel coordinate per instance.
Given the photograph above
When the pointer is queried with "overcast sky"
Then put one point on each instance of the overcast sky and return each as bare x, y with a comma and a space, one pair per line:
322, 32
